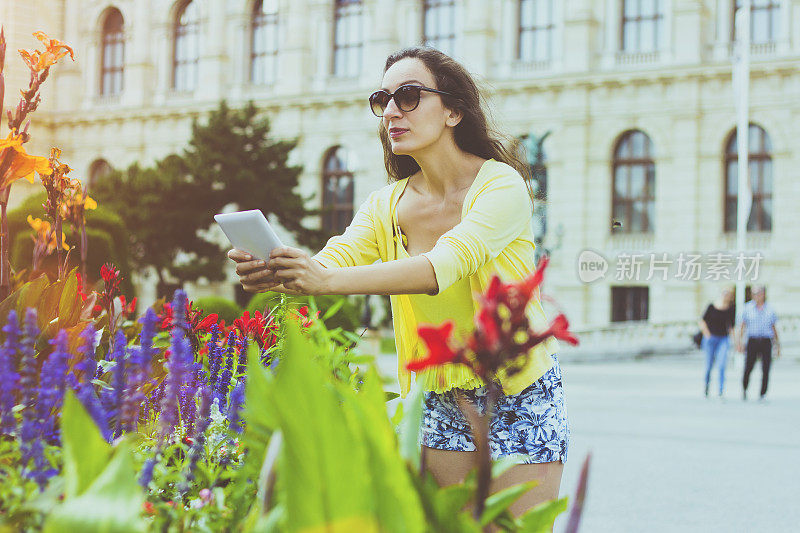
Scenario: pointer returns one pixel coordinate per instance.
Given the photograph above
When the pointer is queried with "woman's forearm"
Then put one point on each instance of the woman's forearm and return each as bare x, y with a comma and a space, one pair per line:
413, 275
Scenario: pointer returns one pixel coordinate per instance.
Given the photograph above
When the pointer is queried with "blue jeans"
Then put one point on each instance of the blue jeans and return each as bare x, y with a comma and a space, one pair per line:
716, 348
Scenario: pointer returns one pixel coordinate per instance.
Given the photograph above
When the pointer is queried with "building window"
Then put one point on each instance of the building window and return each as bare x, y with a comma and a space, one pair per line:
641, 25
536, 27
760, 164
112, 60
629, 303
99, 169
264, 42
348, 39
764, 20
439, 25
186, 53
337, 191
634, 183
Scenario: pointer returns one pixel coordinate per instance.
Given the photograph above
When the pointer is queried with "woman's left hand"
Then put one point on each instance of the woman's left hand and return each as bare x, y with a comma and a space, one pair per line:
297, 272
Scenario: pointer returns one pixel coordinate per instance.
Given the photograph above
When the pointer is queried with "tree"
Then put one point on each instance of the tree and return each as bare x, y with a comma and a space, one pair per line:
230, 160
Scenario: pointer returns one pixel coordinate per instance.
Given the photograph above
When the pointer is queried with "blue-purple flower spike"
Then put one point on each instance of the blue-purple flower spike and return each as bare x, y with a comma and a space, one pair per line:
51, 388
177, 366
9, 379
118, 380
235, 407
31, 428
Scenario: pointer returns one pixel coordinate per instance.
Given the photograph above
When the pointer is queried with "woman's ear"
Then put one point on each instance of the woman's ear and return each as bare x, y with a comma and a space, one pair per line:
454, 118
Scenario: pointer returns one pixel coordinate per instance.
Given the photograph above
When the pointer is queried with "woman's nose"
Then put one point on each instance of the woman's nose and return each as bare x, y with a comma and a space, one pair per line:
392, 109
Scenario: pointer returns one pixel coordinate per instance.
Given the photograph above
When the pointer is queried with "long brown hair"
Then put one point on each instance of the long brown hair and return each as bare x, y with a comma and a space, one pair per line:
473, 133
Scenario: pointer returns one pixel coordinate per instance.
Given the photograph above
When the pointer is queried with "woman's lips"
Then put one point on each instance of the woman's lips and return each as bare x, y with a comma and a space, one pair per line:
396, 132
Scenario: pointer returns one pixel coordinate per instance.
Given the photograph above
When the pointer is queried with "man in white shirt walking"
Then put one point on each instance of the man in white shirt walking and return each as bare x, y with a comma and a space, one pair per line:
758, 324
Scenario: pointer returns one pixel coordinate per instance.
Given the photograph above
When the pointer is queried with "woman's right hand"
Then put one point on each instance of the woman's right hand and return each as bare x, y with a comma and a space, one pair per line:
253, 273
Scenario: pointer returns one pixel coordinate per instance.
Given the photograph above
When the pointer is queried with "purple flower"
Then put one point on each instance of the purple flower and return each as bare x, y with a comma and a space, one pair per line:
214, 355
88, 360
118, 380
31, 428
9, 379
198, 436
51, 388
178, 366
147, 472
235, 407
241, 365
224, 381
88, 398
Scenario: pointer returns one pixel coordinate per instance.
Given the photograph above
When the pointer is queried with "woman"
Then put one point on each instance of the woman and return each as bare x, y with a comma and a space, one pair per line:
716, 325
454, 213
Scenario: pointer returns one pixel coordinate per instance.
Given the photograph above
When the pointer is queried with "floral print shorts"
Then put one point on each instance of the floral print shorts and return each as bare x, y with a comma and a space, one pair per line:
532, 424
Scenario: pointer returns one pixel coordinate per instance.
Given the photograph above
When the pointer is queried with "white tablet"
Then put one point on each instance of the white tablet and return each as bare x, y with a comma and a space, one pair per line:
249, 231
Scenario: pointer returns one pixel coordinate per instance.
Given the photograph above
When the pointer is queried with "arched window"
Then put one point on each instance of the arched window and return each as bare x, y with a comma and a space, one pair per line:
186, 53
112, 60
634, 183
348, 38
764, 20
264, 42
760, 163
439, 25
97, 171
536, 27
337, 191
641, 25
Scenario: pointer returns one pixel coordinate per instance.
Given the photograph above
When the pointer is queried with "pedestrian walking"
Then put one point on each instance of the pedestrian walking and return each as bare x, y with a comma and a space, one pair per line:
717, 325
757, 326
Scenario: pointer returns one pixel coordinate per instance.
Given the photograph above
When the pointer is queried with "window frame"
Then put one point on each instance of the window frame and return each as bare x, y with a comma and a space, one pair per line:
549, 28
340, 14
179, 31
427, 5
648, 196
109, 40
658, 26
328, 220
260, 21
731, 155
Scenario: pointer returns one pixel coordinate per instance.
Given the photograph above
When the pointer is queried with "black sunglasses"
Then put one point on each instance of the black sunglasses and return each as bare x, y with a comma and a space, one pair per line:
406, 97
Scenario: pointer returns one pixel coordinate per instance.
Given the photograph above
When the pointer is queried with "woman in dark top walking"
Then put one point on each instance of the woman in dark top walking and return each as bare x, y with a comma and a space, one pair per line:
716, 325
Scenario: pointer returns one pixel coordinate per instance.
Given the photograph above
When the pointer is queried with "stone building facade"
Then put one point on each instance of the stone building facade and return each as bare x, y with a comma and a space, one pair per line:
636, 96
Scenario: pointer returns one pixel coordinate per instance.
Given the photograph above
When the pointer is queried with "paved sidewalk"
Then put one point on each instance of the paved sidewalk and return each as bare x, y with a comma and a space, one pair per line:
664, 458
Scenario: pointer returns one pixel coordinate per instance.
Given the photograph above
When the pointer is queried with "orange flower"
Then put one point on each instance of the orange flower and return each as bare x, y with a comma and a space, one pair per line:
22, 165
38, 61
45, 235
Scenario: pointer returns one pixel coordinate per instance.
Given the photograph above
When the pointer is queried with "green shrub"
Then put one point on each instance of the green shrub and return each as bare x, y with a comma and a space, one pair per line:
226, 309
348, 317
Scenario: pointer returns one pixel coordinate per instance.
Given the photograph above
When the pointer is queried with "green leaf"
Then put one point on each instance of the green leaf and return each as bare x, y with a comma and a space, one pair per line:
410, 424
113, 502
389, 396
500, 466
500, 501
29, 294
540, 519
450, 500
320, 449
69, 306
333, 308
86, 454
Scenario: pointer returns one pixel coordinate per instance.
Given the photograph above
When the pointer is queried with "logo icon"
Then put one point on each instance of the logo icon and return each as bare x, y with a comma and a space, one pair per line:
591, 266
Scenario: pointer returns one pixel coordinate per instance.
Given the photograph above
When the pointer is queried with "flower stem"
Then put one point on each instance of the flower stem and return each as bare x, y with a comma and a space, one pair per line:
484, 453
5, 284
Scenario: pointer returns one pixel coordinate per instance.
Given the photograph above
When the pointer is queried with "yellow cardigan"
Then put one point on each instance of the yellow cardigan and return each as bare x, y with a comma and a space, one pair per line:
494, 236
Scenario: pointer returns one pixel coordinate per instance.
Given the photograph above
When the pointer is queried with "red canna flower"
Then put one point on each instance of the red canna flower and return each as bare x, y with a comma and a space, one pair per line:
500, 324
303, 313
149, 508
439, 350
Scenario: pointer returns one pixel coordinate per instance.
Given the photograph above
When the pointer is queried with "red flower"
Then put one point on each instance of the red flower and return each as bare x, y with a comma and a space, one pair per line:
261, 327
109, 273
128, 308
439, 351
82, 294
304, 315
149, 508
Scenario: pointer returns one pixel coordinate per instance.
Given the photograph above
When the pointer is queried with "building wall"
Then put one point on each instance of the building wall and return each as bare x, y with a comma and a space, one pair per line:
587, 95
